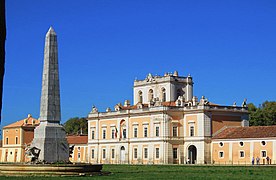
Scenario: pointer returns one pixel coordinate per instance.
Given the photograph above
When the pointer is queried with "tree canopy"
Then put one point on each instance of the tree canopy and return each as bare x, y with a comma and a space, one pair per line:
76, 126
264, 115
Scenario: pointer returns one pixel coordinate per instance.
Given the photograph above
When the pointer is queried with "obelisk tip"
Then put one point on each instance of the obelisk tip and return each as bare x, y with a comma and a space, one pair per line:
51, 31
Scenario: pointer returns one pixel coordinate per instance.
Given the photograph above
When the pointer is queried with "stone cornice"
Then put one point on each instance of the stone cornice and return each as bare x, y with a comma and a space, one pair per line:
166, 109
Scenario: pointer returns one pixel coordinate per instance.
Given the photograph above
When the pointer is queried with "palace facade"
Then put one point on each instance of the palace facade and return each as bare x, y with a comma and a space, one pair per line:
165, 125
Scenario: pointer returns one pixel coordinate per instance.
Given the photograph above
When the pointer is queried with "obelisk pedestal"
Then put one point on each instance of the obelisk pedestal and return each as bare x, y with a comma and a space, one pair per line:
50, 136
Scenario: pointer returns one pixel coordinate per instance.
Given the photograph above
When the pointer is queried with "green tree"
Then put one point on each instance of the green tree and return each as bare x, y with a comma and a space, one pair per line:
264, 115
76, 125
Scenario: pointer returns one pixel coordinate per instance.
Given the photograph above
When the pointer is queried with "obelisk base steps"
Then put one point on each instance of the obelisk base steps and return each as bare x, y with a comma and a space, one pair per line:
50, 138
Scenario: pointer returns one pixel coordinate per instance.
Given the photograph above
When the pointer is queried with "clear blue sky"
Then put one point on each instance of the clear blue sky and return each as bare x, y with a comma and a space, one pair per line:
229, 47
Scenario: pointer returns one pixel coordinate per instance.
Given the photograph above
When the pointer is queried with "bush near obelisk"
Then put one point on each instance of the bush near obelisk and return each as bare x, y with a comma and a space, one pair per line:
76, 126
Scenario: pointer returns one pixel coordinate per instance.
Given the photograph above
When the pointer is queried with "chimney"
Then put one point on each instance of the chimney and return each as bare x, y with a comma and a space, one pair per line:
194, 100
127, 103
108, 109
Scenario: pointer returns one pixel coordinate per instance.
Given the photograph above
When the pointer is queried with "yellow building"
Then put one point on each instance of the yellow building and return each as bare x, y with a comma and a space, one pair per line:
166, 125
15, 137
80, 148
240, 145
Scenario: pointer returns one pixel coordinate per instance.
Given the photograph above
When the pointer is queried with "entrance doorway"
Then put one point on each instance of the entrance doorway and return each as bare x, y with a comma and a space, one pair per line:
123, 155
192, 154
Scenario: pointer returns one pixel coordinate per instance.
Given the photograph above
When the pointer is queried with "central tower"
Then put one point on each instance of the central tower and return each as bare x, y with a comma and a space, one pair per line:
165, 88
50, 136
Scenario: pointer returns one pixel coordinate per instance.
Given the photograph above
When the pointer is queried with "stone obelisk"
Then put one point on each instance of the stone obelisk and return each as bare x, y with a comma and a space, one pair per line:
50, 136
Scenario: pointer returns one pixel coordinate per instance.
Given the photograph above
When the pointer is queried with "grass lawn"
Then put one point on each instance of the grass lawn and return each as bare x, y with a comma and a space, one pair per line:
176, 172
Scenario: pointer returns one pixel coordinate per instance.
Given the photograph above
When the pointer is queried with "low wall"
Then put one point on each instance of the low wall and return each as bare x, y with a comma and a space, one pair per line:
49, 170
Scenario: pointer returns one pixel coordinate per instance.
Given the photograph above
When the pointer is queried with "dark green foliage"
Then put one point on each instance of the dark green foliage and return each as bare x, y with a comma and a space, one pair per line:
76, 126
264, 115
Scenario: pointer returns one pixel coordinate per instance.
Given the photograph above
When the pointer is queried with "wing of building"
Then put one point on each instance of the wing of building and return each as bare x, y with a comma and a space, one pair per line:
15, 138
244, 145
79, 143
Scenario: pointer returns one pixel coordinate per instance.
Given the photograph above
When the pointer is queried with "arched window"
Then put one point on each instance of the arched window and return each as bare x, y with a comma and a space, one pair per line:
150, 95
123, 133
163, 95
140, 97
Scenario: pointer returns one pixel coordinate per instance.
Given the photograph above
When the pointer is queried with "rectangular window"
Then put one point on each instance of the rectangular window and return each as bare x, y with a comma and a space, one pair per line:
92, 154
263, 153
104, 133
192, 130
175, 153
7, 140
92, 134
145, 153
157, 153
241, 154
113, 134
145, 131
221, 154
157, 131
79, 155
135, 153
16, 140
112, 153
175, 131
103, 153
124, 133
135, 132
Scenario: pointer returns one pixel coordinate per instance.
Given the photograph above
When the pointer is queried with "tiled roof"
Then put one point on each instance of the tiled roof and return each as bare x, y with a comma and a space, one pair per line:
77, 139
168, 103
128, 107
27, 122
247, 132
133, 107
